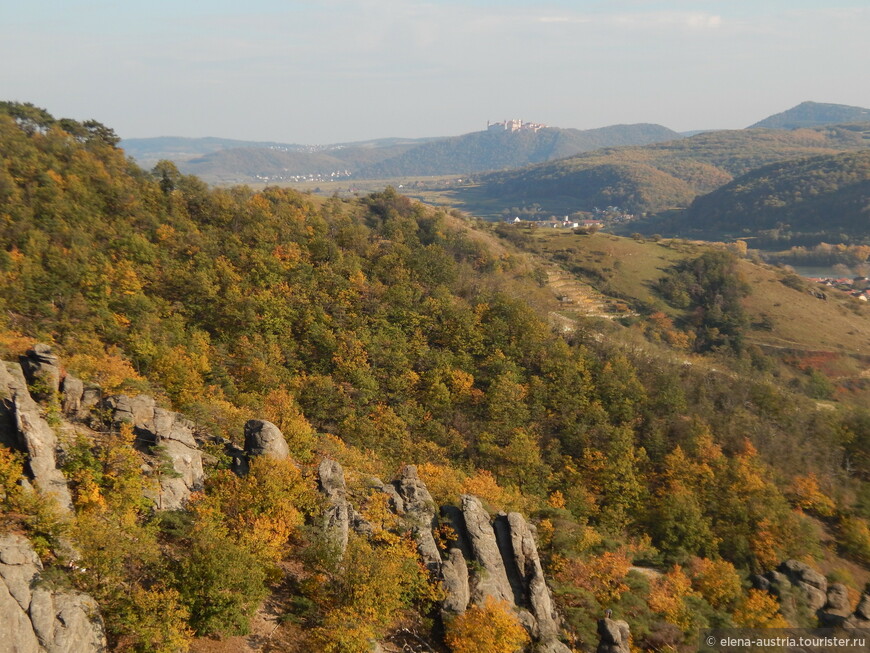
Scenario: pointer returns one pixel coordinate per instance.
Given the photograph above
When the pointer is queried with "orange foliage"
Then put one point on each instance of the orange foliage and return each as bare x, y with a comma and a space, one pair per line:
443, 483
602, 575
490, 628
759, 610
716, 580
806, 494
666, 598
108, 369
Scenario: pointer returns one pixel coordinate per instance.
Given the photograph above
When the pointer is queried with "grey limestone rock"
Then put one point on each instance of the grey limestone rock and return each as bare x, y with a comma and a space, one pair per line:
837, 608
41, 369
813, 585
340, 517
528, 563
861, 617
263, 438
614, 636
420, 510
166, 434
72, 390
36, 619
29, 432
454, 580
493, 580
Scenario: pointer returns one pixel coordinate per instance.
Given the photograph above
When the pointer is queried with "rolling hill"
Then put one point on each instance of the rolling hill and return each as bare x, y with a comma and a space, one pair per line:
823, 195
813, 114
654, 177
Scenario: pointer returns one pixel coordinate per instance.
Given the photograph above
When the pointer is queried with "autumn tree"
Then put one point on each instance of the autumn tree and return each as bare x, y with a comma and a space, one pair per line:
488, 628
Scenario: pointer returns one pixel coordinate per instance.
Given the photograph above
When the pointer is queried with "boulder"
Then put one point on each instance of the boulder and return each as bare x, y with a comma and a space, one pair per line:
861, 617
168, 436
340, 517
36, 619
614, 636
25, 427
263, 438
454, 580
419, 509
837, 608
800, 573
493, 580
528, 563
42, 370
72, 390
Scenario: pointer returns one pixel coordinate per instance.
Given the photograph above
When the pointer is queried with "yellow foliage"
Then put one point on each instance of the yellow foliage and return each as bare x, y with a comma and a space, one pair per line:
443, 482
365, 462
280, 408
376, 582
156, 620
484, 486
107, 369
14, 344
556, 500
490, 628
765, 545
716, 580
806, 494
603, 576
262, 510
666, 598
759, 610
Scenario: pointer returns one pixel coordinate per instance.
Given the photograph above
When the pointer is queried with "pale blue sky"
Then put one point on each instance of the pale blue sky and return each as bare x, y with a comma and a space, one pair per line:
340, 70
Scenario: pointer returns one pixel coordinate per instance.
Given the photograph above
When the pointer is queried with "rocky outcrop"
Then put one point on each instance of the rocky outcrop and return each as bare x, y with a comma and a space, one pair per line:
167, 436
419, 510
861, 617
483, 557
811, 583
493, 580
37, 619
263, 438
25, 429
340, 517
42, 370
72, 391
614, 636
535, 593
454, 580
837, 608
799, 576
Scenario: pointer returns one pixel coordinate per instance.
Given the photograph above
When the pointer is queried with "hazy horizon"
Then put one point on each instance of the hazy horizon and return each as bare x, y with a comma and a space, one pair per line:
342, 71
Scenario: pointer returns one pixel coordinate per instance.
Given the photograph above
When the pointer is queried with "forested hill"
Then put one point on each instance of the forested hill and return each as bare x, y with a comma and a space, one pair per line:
377, 332
828, 196
813, 114
221, 162
658, 176
500, 149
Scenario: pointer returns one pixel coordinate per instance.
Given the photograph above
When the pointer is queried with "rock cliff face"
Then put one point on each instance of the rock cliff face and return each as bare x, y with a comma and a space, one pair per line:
162, 433
36, 619
830, 602
487, 558
22, 427
613, 636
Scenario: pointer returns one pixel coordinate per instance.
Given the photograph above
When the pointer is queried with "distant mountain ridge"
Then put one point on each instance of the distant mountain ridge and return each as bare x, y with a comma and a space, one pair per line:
227, 161
658, 176
813, 114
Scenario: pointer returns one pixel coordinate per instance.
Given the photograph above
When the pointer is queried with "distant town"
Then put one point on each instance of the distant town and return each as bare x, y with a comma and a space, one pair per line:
856, 287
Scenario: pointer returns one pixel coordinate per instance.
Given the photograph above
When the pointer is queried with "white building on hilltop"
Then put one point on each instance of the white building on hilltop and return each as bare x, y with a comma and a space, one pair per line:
516, 125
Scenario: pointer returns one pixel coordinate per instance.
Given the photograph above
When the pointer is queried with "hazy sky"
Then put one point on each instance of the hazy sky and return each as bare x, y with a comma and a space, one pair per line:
324, 71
